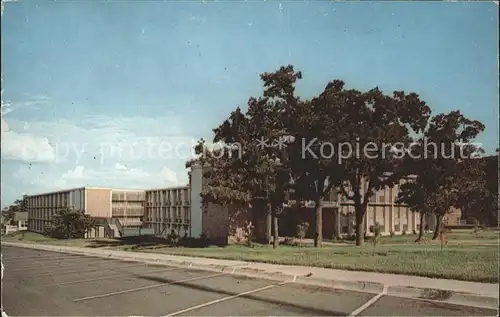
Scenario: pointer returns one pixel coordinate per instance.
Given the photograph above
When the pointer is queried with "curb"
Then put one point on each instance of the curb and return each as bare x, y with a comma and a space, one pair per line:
242, 269
449, 297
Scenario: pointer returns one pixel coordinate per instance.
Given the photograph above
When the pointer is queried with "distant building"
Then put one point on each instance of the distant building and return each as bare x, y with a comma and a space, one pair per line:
21, 220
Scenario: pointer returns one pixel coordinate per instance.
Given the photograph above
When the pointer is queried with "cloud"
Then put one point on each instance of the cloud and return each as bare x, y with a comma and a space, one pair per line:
110, 139
34, 103
169, 176
117, 177
102, 151
46, 180
119, 166
25, 146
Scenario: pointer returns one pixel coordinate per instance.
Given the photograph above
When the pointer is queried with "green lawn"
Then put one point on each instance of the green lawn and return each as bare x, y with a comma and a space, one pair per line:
31, 237
472, 263
461, 236
466, 257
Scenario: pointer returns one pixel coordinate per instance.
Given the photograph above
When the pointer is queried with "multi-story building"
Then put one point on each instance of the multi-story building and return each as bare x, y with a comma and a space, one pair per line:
92, 201
114, 208
338, 215
169, 209
128, 206
180, 210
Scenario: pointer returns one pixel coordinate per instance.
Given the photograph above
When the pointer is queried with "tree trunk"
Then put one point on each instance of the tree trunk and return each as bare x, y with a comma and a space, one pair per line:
360, 227
421, 231
318, 219
360, 211
276, 241
437, 229
269, 225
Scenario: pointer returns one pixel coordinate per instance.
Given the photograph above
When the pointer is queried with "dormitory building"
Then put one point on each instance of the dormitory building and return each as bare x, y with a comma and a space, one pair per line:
180, 209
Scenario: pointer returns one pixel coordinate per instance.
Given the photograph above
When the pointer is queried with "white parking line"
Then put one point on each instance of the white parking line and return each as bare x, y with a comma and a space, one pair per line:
369, 303
225, 299
52, 265
61, 264
146, 287
51, 261
94, 269
19, 258
108, 277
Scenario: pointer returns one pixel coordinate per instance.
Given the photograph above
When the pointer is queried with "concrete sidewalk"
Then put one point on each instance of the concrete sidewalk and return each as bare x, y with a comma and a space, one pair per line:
451, 291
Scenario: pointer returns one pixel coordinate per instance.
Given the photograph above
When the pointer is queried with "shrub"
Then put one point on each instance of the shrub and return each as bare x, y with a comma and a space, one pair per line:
290, 241
443, 235
376, 236
173, 238
201, 242
302, 230
404, 233
249, 232
69, 224
476, 227
392, 234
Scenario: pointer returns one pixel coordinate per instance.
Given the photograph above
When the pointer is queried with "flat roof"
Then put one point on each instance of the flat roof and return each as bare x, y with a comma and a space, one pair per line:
167, 188
57, 191
107, 188
128, 190
71, 190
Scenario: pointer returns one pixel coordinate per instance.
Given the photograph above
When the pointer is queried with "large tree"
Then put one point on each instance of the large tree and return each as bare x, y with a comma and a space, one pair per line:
312, 124
418, 198
443, 164
369, 126
251, 166
481, 201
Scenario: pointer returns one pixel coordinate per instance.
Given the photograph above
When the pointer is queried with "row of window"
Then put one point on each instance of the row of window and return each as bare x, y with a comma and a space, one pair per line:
128, 206
165, 229
168, 196
41, 214
397, 228
37, 225
179, 213
56, 199
128, 196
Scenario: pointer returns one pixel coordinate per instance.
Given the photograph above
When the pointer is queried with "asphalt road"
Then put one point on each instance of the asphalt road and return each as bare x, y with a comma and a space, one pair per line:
41, 283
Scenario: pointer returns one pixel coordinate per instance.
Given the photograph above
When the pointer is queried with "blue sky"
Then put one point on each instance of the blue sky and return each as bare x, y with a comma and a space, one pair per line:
92, 90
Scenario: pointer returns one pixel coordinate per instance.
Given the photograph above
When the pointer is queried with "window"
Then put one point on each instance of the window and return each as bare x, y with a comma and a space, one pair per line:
382, 198
405, 227
397, 227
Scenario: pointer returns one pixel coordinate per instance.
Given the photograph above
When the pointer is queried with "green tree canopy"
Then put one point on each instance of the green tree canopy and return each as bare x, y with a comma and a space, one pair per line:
69, 224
